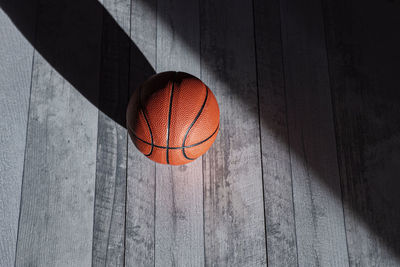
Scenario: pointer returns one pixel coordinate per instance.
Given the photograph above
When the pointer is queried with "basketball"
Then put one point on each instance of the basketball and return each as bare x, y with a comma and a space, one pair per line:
173, 118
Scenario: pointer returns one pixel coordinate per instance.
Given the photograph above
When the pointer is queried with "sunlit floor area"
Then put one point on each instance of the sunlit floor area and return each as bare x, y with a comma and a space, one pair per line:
304, 170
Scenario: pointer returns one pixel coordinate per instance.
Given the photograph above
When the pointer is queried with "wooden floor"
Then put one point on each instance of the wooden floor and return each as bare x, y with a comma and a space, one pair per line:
305, 168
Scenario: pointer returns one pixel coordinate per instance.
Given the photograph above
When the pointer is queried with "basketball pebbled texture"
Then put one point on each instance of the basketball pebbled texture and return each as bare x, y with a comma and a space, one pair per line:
173, 118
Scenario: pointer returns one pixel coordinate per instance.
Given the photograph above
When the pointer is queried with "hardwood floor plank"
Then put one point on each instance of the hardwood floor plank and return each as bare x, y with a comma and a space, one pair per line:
109, 216
139, 234
233, 204
140, 202
56, 218
321, 239
179, 189
363, 61
279, 209
179, 213
58, 188
109, 213
16, 55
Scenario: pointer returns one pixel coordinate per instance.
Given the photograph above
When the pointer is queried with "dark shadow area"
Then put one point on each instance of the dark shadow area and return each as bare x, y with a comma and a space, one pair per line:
363, 53
86, 46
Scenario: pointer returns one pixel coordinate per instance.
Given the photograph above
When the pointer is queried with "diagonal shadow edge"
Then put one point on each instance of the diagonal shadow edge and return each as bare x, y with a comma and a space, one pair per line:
85, 45
67, 39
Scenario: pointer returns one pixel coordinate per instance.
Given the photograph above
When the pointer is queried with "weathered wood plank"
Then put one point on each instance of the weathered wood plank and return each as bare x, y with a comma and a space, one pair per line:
179, 214
179, 189
140, 208
233, 204
140, 202
279, 210
58, 187
56, 221
321, 239
109, 216
16, 55
363, 54
109, 213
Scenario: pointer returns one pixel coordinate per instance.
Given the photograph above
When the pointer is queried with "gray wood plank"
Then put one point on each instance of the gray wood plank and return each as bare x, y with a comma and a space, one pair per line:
321, 239
16, 55
233, 197
179, 189
140, 202
58, 187
363, 54
140, 210
109, 213
56, 218
279, 210
179, 215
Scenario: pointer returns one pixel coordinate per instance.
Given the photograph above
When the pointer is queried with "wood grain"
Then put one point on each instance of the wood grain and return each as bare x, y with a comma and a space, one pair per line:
233, 197
109, 213
278, 197
319, 218
287, 75
140, 202
56, 216
16, 55
58, 187
363, 62
179, 189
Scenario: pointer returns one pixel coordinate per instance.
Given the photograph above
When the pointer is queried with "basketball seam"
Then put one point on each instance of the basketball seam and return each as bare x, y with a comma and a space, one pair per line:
191, 125
164, 147
147, 122
169, 116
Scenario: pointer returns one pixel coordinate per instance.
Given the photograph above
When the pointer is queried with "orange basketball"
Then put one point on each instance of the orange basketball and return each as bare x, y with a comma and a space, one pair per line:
173, 118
